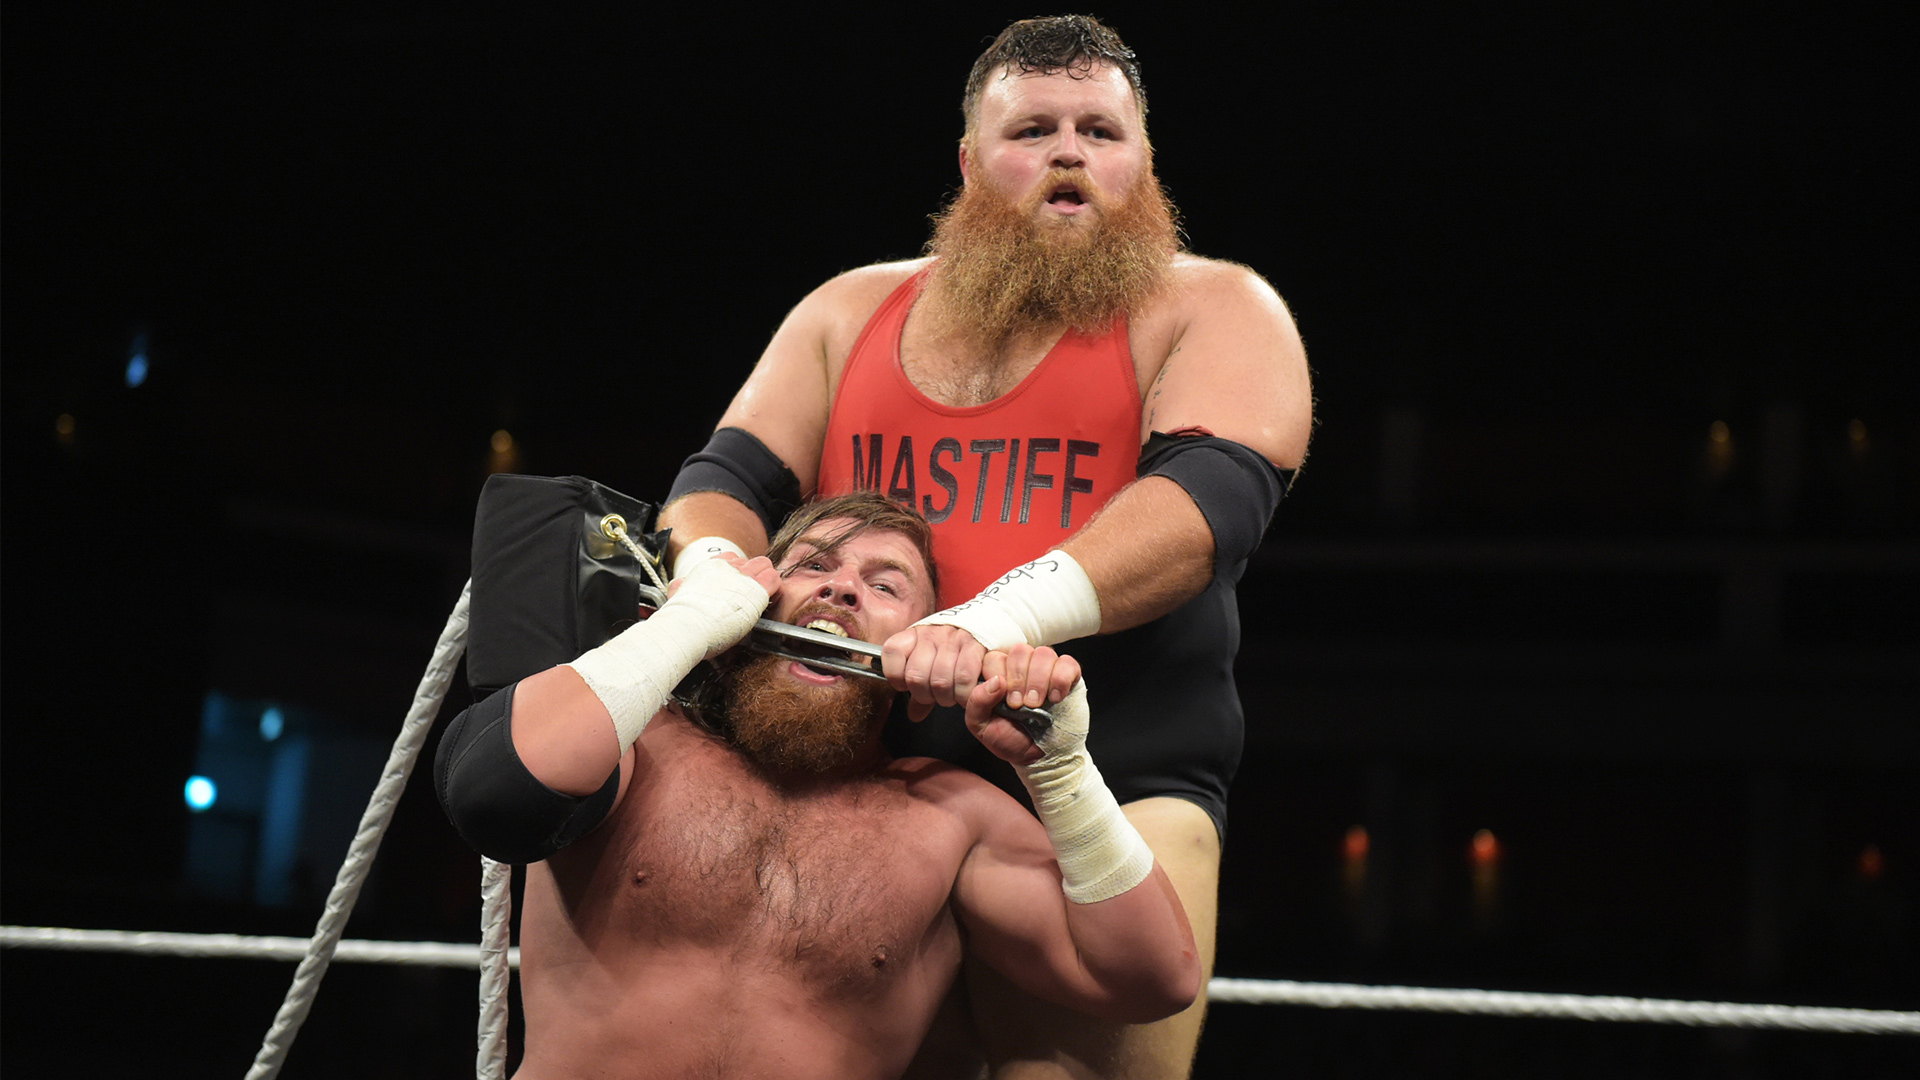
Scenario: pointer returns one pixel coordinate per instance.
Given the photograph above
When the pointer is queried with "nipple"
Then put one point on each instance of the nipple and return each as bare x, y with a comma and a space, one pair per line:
879, 957
639, 877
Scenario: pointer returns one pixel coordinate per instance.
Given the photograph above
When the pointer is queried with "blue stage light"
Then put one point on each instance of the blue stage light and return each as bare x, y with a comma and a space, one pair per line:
200, 793
272, 723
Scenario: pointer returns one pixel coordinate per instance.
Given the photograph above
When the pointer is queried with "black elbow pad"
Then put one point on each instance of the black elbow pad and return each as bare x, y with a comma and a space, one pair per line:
1236, 489
737, 464
499, 808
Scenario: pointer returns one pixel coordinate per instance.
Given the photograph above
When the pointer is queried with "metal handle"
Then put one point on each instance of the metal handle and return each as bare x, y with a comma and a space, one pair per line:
779, 639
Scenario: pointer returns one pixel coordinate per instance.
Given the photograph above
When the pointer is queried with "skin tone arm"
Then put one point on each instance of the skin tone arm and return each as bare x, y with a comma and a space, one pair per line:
564, 735
1130, 958
1236, 368
786, 401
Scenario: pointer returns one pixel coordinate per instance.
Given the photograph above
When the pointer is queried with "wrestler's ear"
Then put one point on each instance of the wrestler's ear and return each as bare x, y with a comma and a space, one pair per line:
963, 161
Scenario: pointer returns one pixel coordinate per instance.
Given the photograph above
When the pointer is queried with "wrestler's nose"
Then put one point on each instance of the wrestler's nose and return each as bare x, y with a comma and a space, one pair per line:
840, 589
1066, 149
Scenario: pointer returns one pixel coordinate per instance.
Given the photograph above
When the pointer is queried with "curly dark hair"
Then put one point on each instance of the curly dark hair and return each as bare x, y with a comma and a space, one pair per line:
1069, 43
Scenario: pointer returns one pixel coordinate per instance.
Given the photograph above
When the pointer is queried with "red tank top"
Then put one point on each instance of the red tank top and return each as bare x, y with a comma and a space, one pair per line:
1002, 482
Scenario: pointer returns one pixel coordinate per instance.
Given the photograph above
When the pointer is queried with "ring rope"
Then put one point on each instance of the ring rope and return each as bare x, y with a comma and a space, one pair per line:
1564, 1006
243, 946
497, 957
366, 842
1220, 991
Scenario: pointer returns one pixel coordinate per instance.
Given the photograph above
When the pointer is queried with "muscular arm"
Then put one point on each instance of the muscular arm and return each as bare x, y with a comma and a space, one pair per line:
1235, 368
1130, 958
573, 723
1058, 904
712, 513
562, 732
785, 402
1148, 551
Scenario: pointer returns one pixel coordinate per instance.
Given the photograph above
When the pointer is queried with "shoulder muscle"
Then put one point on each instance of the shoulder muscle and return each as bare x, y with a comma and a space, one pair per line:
1234, 363
786, 399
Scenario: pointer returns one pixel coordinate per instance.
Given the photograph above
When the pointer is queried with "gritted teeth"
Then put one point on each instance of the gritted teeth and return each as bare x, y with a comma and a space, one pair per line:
827, 626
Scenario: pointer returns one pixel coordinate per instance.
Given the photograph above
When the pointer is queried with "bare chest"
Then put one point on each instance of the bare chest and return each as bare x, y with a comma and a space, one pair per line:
842, 889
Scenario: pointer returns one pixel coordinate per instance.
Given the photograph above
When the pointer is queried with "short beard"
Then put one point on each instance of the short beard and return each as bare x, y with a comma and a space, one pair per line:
788, 726
1002, 274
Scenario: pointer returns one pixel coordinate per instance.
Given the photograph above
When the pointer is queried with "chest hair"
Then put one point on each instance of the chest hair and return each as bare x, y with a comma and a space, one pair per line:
960, 372
828, 883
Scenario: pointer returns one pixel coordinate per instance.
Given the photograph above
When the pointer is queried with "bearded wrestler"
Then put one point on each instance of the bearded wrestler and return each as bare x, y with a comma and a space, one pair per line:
1098, 423
765, 892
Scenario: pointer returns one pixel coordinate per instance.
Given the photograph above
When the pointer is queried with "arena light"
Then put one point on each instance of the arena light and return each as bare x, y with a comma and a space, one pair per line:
505, 453
272, 723
201, 793
1356, 844
1872, 863
1486, 848
137, 361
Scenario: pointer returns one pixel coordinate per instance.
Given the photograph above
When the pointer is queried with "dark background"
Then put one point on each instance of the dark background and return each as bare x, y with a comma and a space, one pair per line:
1537, 254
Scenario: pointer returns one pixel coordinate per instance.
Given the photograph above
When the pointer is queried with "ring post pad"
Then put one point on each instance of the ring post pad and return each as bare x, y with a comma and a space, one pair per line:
548, 582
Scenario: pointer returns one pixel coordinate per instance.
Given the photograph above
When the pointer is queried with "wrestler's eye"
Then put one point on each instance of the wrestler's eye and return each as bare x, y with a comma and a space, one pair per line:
886, 588
1034, 132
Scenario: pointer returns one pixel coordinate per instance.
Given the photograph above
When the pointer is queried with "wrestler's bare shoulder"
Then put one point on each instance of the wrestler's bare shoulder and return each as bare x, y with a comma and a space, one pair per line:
1198, 289
855, 294
951, 788
1229, 326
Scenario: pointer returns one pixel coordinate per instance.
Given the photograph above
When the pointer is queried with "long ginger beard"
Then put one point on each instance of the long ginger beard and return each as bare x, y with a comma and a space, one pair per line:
789, 726
1003, 273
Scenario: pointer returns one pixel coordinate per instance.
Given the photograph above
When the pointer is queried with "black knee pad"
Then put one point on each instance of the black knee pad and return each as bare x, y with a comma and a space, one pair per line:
499, 808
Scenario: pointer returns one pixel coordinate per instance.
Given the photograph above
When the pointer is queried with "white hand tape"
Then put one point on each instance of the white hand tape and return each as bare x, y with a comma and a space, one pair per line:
1044, 602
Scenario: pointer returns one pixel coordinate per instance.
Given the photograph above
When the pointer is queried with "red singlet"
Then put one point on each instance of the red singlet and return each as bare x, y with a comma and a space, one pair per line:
1003, 482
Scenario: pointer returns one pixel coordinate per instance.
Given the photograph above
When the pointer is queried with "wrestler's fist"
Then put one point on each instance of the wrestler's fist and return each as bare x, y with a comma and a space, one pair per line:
1021, 677
760, 569
718, 601
934, 665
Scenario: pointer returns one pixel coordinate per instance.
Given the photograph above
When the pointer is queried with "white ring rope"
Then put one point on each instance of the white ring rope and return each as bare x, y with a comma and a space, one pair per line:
366, 842
497, 958
243, 946
1219, 991
1563, 1006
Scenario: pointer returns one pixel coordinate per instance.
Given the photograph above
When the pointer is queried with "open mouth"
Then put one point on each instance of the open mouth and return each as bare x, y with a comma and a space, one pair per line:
1065, 196
800, 651
825, 626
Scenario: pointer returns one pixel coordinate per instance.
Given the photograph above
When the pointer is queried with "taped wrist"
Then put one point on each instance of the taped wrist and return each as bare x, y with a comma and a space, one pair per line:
737, 464
700, 550
496, 805
1236, 489
1101, 854
1044, 602
633, 674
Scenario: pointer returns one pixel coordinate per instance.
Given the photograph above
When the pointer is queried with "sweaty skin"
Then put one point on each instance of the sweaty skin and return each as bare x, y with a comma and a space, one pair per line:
725, 921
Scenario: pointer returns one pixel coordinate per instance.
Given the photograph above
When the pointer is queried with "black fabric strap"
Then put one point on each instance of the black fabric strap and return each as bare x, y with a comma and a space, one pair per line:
1236, 489
499, 808
737, 464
